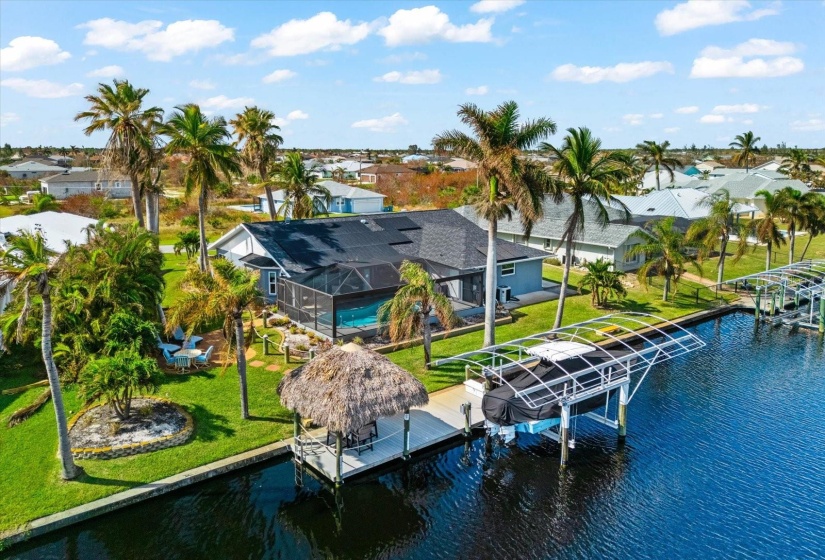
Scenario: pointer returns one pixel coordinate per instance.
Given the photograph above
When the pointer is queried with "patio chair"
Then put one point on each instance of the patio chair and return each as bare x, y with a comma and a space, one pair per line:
191, 342
362, 438
167, 347
183, 362
170, 361
178, 334
203, 359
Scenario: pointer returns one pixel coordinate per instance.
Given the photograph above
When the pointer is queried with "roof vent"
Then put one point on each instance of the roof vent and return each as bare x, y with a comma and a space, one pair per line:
363, 221
66, 172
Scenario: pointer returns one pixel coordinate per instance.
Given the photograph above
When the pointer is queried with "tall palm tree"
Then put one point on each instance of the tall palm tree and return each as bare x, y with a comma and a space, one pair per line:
408, 312
765, 229
254, 127
206, 143
587, 174
634, 171
654, 156
816, 222
28, 262
718, 227
796, 164
303, 196
512, 182
745, 146
666, 255
120, 110
796, 209
225, 294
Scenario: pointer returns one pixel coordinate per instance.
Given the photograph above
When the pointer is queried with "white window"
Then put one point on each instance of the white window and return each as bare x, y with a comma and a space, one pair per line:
631, 258
273, 283
117, 184
98, 186
508, 269
548, 244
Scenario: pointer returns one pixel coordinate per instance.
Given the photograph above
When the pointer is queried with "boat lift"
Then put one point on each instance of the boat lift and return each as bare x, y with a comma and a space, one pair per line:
791, 295
611, 352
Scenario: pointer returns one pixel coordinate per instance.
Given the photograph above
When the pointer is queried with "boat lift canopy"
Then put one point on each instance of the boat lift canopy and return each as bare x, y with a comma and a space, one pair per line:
805, 278
608, 350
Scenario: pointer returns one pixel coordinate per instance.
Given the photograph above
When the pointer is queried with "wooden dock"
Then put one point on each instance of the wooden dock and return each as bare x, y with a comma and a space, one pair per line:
430, 425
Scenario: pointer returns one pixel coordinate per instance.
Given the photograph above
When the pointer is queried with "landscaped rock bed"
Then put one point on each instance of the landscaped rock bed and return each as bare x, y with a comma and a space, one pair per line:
153, 424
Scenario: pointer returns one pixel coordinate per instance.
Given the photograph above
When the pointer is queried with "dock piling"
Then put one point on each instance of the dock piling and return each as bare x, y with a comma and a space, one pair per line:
564, 433
465, 409
407, 434
339, 458
821, 313
623, 398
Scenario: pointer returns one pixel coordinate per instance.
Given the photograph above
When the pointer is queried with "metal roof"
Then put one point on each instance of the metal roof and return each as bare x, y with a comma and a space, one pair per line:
804, 278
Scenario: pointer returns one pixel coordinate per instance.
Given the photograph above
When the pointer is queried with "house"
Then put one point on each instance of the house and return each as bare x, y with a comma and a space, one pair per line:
414, 158
708, 166
686, 203
68, 183
612, 242
345, 199
382, 173
460, 164
665, 181
331, 275
57, 228
345, 169
31, 169
743, 187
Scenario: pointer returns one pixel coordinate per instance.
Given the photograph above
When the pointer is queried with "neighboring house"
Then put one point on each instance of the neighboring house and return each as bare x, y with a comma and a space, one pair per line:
381, 173
460, 164
611, 242
331, 275
69, 183
415, 158
350, 169
57, 228
708, 166
345, 199
743, 187
679, 179
685, 203
31, 169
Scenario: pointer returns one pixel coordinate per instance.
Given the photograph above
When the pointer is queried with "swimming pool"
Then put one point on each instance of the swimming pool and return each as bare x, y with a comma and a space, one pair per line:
364, 316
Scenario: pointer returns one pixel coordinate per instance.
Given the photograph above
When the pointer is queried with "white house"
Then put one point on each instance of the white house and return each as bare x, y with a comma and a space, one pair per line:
68, 183
31, 169
686, 203
345, 199
743, 187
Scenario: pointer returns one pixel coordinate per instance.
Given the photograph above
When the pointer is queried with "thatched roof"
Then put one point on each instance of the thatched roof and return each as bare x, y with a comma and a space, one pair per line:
349, 386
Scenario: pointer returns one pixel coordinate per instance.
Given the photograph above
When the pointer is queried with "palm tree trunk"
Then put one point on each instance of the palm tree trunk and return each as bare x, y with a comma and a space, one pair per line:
240, 357
152, 212
791, 241
768, 257
658, 186
565, 279
202, 260
427, 336
268, 189
136, 199
491, 274
666, 291
68, 470
721, 268
807, 244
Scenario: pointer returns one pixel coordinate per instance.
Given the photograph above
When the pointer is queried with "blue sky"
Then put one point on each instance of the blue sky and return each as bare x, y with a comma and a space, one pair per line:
389, 74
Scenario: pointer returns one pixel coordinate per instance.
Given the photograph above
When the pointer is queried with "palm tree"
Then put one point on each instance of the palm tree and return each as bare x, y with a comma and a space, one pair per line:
666, 255
816, 222
796, 209
120, 110
717, 227
42, 203
634, 171
587, 174
225, 294
603, 281
28, 262
205, 142
303, 197
654, 156
408, 312
513, 183
764, 229
796, 164
254, 127
745, 144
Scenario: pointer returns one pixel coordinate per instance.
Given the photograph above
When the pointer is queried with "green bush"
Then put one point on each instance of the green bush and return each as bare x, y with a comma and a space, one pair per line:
117, 379
554, 261
301, 347
190, 221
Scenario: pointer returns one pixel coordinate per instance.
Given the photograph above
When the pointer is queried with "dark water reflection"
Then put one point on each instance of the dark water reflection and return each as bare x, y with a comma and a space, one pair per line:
725, 457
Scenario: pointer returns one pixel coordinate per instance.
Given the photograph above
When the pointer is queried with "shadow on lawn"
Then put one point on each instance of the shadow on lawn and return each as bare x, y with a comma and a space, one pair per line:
86, 478
208, 425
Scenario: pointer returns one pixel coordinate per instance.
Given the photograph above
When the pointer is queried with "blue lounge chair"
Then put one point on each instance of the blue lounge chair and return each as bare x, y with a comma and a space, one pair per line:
167, 347
170, 361
203, 359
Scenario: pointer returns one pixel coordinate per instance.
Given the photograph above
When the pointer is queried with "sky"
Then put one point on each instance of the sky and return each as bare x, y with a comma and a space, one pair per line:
389, 74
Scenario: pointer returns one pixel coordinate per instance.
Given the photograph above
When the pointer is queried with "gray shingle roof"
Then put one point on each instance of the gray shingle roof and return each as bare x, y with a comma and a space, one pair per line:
90, 176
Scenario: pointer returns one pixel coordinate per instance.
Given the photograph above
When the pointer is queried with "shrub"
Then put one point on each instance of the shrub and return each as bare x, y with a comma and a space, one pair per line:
301, 347
116, 379
190, 221
224, 190
293, 329
554, 261
358, 340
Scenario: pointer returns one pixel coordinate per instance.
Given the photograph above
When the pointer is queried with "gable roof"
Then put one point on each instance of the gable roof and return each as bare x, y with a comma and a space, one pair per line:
335, 189
388, 168
57, 227
680, 203
89, 176
439, 236
33, 166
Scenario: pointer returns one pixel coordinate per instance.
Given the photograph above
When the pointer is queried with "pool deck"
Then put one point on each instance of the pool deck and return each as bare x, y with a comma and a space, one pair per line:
430, 425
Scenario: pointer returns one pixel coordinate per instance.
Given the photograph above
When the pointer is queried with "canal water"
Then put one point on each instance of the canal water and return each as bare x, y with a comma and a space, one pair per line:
725, 457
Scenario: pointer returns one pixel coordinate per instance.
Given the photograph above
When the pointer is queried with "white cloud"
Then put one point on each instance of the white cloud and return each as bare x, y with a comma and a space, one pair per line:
297, 115
480, 90
714, 119
656, 115
687, 110
221, 102
633, 119
278, 76
404, 57
622, 72
747, 121
716, 62
701, 13
412, 77
741, 108
495, 6
809, 125
149, 37
8, 118
202, 84
672, 129
29, 52
42, 88
423, 25
383, 124
322, 32
111, 71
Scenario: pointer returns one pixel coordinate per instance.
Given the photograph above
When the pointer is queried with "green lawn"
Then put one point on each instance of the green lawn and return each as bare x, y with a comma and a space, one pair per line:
174, 267
754, 260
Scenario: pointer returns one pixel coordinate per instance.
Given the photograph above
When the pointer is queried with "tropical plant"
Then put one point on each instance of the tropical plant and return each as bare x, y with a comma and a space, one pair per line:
815, 222
746, 149
117, 379
634, 172
654, 156
764, 228
205, 143
717, 228
587, 174
603, 281
189, 241
796, 209
303, 197
513, 183
28, 262
119, 109
128, 331
666, 255
408, 313
224, 294
255, 128
796, 164
42, 203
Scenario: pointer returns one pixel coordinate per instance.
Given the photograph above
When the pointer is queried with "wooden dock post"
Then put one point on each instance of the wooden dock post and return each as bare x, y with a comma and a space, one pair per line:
407, 434
623, 396
773, 303
564, 433
758, 302
821, 312
467, 372
286, 352
339, 458
266, 344
465, 409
